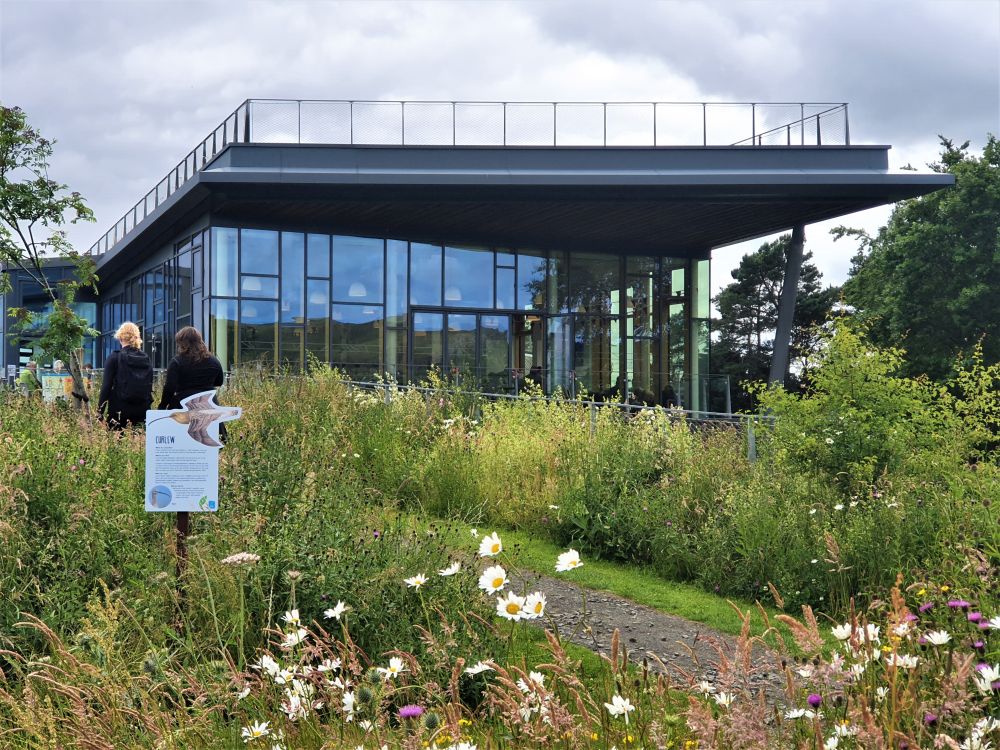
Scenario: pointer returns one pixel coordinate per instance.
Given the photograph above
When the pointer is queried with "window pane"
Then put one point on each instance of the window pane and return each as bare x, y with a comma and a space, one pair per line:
701, 291
259, 251
594, 283
357, 269
425, 274
318, 322
468, 277
196, 269
291, 350
184, 285
428, 343
395, 354
494, 352
293, 273
265, 287
505, 259
395, 279
560, 355
223, 263
462, 348
505, 288
530, 281
357, 339
222, 331
592, 357
258, 332
319, 255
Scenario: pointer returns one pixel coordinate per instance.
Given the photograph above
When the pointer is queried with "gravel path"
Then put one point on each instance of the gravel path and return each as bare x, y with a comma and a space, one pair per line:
684, 647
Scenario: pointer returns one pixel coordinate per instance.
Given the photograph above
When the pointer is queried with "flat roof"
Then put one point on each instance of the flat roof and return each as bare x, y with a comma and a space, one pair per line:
636, 200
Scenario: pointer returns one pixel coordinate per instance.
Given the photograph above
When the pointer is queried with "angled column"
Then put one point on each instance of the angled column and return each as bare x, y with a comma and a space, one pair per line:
786, 306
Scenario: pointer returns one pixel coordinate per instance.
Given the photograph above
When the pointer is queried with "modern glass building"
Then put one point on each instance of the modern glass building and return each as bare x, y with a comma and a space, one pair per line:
566, 244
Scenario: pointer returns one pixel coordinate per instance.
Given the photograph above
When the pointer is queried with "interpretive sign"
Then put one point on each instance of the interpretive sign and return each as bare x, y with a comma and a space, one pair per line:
182, 454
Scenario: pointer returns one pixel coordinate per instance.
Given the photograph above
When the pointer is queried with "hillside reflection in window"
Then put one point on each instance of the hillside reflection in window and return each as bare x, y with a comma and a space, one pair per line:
468, 277
258, 333
357, 339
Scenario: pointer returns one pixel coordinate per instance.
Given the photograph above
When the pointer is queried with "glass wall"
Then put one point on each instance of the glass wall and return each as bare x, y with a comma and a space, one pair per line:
608, 326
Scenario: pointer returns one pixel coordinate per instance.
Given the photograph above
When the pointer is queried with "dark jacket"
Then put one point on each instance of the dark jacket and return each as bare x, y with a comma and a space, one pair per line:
109, 405
186, 378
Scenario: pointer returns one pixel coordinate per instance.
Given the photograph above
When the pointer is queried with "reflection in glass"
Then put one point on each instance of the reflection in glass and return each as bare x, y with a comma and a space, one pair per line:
594, 284
428, 343
319, 255
505, 288
292, 278
530, 280
259, 251
184, 284
196, 269
595, 368
222, 331
357, 339
258, 335
461, 347
357, 269
676, 342
425, 274
263, 287
318, 319
224, 262
560, 355
494, 353
468, 277
395, 279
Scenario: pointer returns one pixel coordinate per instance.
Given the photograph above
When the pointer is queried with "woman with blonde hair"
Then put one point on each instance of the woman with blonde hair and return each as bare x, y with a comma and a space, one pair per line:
127, 391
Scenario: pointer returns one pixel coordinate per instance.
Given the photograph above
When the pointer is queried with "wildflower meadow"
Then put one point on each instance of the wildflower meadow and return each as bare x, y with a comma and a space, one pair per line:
358, 587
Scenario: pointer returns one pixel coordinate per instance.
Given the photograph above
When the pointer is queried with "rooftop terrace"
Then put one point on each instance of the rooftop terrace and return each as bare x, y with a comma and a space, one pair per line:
515, 125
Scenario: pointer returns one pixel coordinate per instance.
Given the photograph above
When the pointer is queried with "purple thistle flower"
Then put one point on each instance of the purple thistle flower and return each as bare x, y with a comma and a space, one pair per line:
910, 617
410, 711
814, 699
926, 606
930, 719
975, 616
979, 645
376, 533
958, 604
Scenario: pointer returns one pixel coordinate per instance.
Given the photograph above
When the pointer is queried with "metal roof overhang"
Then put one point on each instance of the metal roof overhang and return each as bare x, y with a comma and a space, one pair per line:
657, 201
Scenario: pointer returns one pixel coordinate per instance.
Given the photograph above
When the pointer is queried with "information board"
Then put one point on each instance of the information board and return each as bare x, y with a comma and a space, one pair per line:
182, 454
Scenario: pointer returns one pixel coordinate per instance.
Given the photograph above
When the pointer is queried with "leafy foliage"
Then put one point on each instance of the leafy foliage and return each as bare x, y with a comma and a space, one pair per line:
748, 316
32, 208
930, 279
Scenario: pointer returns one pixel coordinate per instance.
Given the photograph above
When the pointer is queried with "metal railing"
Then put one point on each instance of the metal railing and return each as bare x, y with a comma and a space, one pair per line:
499, 124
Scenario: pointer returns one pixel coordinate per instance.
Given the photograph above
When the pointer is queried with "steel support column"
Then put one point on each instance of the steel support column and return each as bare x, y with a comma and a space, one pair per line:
786, 306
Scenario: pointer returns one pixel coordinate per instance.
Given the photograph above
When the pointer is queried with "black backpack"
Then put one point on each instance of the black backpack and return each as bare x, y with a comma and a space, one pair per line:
134, 379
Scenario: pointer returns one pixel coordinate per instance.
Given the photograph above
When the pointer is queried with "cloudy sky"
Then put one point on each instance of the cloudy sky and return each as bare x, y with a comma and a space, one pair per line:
127, 88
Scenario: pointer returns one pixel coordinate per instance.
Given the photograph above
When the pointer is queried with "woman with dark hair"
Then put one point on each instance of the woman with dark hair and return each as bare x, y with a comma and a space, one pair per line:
193, 370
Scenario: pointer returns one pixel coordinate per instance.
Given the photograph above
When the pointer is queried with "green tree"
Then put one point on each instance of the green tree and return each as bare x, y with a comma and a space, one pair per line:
748, 315
929, 281
33, 207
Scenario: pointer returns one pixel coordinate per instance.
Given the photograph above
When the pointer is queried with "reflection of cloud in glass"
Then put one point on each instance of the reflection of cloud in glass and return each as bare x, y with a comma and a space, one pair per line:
160, 496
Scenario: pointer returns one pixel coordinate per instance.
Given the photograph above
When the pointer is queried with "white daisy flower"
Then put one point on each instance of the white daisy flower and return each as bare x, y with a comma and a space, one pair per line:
335, 612
620, 707
478, 668
493, 579
415, 582
511, 607
292, 618
395, 669
568, 560
451, 569
534, 605
490, 546
255, 731
937, 637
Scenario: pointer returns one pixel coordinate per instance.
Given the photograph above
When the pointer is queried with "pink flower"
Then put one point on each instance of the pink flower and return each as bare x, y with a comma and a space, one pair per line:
410, 711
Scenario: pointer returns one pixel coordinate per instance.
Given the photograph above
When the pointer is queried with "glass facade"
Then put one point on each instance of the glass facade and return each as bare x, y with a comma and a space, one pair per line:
601, 325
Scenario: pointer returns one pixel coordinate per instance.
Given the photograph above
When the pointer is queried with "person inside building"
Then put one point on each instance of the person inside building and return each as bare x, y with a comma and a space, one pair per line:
127, 391
28, 380
193, 370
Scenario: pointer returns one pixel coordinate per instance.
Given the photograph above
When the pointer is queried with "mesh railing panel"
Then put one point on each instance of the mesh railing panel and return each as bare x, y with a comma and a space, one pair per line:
580, 125
479, 124
530, 125
428, 124
679, 123
274, 122
326, 122
631, 124
378, 123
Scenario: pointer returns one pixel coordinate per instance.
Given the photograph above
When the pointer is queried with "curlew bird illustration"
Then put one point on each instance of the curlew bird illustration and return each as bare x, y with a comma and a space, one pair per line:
200, 411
